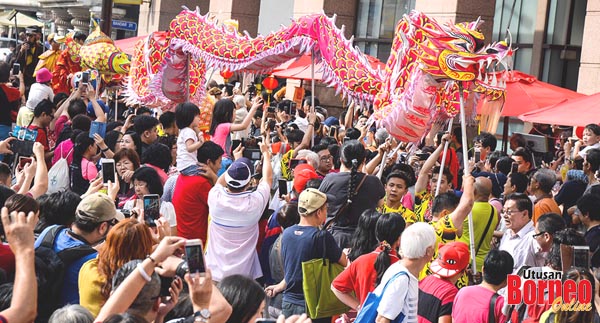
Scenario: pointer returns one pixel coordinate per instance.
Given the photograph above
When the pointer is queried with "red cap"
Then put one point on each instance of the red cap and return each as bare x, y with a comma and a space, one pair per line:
302, 174
453, 258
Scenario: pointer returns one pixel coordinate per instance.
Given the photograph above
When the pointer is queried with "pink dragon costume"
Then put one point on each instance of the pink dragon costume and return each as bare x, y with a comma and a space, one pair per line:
419, 85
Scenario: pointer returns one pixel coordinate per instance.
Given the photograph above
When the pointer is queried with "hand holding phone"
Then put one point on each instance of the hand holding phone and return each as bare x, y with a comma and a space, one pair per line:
16, 69
151, 209
282, 188
108, 171
514, 168
194, 255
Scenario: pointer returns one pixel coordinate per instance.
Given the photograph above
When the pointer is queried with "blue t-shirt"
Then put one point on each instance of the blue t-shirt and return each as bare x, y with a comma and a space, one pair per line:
297, 246
70, 294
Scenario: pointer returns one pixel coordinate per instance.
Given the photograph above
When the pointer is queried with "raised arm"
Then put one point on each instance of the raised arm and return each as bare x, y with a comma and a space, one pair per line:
100, 114
349, 116
19, 234
258, 102
41, 172
466, 201
422, 180
267, 170
308, 135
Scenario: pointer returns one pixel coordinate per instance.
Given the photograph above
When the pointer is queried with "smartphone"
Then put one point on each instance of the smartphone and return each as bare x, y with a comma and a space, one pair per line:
252, 154
423, 156
151, 208
237, 85
296, 162
271, 124
292, 108
282, 187
477, 155
98, 128
85, 77
332, 131
514, 168
194, 255
16, 69
108, 171
581, 256
24, 161
22, 147
165, 284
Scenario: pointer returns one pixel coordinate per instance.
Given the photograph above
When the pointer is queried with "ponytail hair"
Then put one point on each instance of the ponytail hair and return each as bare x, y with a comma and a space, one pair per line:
353, 155
388, 229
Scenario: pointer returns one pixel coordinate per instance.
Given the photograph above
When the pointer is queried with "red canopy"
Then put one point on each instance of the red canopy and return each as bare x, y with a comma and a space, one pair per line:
525, 93
127, 45
300, 68
575, 112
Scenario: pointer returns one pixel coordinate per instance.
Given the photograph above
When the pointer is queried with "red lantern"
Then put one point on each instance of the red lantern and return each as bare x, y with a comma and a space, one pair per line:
226, 74
270, 83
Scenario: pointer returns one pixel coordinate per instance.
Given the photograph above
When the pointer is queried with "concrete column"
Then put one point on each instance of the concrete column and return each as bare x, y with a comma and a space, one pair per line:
460, 11
589, 70
156, 15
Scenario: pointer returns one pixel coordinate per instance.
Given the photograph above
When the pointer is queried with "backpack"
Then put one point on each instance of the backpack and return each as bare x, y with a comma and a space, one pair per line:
58, 175
50, 268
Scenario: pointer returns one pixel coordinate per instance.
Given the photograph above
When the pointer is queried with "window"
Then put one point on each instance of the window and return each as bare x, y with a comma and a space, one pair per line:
375, 25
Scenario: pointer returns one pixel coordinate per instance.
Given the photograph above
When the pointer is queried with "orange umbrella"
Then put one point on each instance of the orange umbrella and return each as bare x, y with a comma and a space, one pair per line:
575, 112
300, 68
526, 93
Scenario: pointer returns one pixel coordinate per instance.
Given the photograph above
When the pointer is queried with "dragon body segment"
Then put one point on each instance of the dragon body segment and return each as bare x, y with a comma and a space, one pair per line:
416, 88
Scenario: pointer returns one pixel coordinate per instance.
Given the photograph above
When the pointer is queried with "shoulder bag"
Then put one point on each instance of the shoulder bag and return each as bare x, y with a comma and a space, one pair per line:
368, 311
342, 209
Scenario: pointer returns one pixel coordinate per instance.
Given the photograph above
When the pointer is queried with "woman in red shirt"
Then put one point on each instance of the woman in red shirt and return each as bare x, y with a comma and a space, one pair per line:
364, 274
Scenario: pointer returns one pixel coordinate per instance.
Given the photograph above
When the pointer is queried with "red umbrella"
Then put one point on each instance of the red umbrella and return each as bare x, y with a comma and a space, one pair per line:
575, 112
300, 68
526, 93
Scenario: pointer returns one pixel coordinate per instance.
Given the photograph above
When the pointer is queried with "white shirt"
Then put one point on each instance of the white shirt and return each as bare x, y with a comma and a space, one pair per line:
302, 123
401, 295
233, 231
522, 246
583, 152
37, 93
185, 158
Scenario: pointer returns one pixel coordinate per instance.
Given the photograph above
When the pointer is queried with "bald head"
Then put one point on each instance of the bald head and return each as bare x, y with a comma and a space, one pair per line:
483, 188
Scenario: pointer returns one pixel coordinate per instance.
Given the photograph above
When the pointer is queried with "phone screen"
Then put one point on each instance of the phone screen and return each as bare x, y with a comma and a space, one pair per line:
292, 108
282, 187
151, 208
514, 168
477, 155
85, 77
581, 256
16, 68
108, 171
195, 256
332, 132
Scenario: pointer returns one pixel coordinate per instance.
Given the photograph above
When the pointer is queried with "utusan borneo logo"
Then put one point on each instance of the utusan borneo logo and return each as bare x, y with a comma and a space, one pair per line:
537, 287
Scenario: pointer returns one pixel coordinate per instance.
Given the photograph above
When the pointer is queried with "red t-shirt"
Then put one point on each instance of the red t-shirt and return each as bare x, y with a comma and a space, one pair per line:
436, 297
7, 259
42, 138
190, 202
9, 114
360, 276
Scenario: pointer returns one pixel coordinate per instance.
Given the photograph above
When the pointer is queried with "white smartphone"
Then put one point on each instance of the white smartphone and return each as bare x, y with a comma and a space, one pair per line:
237, 85
194, 256
108, 171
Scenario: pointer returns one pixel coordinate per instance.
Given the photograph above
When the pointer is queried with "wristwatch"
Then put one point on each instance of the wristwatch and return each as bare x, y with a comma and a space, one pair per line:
202, 316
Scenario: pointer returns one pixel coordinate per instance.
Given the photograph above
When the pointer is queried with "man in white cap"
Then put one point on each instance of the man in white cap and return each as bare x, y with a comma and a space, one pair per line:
235, 211
94, 217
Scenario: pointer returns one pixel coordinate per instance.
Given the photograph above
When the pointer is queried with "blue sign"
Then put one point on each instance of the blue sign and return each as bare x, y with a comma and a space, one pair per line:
124, 25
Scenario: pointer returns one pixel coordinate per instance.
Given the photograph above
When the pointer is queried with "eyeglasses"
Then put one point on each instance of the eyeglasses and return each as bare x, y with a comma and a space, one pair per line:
112, 222
539, 234
510, 212
326, 158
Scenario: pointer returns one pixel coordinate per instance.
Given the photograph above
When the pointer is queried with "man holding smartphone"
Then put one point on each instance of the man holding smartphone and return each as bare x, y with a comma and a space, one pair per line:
9, 101
235, 212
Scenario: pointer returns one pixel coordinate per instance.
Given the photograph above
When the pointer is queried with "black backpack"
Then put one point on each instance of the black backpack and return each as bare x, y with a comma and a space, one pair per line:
50, 270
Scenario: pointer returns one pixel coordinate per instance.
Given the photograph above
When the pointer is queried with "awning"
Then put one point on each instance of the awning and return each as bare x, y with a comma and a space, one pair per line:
23, 21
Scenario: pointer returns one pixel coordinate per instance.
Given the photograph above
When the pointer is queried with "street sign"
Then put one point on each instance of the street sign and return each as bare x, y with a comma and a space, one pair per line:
124, 25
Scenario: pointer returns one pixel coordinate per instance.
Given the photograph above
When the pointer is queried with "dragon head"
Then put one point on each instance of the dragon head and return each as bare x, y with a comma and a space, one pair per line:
119, 63
457, 52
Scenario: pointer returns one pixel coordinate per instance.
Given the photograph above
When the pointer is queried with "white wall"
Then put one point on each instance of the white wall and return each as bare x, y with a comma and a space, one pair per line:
273, 14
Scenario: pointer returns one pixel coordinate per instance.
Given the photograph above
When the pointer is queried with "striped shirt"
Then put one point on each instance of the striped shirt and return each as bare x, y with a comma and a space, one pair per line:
401, 295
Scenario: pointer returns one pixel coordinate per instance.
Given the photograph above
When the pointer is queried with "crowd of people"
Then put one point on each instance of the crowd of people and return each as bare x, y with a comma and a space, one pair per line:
266, 188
